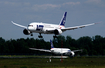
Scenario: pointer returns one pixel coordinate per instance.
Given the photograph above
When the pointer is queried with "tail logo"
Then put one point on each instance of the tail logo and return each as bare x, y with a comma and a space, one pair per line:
51, 44
63, 20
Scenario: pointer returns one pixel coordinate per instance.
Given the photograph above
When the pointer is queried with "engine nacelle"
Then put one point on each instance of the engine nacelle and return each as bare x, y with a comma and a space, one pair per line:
57, 31
26, 32
72, 53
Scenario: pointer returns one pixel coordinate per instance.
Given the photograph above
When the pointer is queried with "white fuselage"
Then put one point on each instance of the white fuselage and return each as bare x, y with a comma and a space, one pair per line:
43, 27
60, 50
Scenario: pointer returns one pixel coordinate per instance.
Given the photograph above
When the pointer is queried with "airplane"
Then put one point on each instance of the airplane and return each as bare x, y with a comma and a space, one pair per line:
44, 28
58, 51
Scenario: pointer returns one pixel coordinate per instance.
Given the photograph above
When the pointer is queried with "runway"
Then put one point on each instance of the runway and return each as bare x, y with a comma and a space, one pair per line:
33, 57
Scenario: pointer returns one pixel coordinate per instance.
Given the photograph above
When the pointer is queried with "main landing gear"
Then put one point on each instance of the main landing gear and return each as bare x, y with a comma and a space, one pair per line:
40, 36
55, 37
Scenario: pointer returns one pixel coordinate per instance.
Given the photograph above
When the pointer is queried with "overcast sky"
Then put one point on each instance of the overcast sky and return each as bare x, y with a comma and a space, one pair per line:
79, 12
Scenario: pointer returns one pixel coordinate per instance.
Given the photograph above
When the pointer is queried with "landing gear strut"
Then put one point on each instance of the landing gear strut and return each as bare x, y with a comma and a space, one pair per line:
55, 37
40, 36
31, 34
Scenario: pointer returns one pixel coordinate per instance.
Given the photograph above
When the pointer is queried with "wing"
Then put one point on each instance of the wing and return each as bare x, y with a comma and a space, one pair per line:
19, 25
76, 27
77, 50
40, 49
71, 28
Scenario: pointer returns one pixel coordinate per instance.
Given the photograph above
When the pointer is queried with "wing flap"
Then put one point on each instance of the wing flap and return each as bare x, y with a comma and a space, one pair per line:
40, 49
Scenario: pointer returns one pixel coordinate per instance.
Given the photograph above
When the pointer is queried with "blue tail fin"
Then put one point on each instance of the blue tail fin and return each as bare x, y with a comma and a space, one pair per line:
51, 44
62, 23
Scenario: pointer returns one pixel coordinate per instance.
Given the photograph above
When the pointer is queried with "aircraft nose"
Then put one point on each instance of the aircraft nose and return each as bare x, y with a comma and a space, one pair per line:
69, 50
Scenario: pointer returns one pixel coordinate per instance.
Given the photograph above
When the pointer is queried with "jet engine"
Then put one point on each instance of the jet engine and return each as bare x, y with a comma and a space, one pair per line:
72, 53
57, 31
26, 32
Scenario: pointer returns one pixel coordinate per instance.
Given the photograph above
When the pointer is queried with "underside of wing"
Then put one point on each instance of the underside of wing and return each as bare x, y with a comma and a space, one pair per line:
50, 31
76, 27
40, 49
19, 25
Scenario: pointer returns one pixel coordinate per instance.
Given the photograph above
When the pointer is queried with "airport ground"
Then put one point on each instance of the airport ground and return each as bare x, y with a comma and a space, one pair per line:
35, 62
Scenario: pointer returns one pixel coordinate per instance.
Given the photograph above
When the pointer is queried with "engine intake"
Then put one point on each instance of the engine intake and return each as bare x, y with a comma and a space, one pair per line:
72, 53
26, 32
57, 31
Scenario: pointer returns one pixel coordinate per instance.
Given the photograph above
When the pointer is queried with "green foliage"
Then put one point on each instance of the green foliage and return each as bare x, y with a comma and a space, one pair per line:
90, 46
23, 67
76, 62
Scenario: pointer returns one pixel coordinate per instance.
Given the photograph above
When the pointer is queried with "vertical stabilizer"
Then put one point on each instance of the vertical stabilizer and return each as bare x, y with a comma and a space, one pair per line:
63, 20
51, 44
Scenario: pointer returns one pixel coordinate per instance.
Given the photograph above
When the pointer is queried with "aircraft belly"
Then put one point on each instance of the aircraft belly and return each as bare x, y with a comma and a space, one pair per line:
42, 32
38, 31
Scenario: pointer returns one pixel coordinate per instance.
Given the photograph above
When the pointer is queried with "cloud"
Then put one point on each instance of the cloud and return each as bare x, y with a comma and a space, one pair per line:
37, 7
44, 6
72, 3
7, 3
27, 6
98, 3
94, 1
14, 4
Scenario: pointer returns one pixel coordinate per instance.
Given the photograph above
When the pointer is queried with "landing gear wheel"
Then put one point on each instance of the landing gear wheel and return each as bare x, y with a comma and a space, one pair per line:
40, 36
31, 34
55, 37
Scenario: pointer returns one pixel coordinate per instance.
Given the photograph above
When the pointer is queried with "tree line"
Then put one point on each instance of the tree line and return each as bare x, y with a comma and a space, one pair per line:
90, 45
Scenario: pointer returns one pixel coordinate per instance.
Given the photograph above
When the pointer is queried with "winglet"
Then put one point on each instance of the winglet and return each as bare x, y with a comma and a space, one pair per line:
12, 21
98, 22
63, 20
51, 44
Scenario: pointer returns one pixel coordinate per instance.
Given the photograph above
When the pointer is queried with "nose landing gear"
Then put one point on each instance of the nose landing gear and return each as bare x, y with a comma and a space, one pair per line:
40, 36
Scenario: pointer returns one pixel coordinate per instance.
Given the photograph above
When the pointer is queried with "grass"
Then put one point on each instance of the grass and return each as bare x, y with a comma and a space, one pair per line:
76, 62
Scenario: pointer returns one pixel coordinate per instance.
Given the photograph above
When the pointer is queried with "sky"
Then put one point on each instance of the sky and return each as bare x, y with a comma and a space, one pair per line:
79, 12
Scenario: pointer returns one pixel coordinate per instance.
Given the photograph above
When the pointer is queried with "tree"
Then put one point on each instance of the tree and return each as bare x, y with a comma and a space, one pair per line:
90, 46
85, 43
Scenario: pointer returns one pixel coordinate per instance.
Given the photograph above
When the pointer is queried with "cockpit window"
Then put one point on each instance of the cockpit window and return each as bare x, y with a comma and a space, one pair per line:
30, 25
